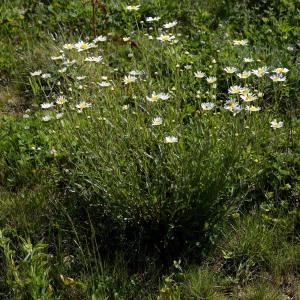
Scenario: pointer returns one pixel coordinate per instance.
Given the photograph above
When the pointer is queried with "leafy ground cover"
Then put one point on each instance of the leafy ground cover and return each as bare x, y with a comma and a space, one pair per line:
157, 159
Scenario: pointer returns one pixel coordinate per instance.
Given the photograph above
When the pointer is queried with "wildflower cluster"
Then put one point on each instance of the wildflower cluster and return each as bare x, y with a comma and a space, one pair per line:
75, 60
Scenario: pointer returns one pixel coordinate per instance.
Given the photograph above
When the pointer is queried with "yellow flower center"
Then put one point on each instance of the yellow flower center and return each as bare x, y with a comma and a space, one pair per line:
83, 46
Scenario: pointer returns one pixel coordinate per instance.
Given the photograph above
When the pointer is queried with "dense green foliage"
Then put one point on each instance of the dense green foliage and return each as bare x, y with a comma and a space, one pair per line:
168, 186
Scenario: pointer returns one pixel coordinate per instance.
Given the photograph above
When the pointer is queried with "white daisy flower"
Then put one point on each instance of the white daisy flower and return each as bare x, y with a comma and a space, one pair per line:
133, 7
136, 73
249, 97
69, 63
97, 59
230, 70
260, 72
170, 25
61, 57
80, 77
281, 70
211, 80
100, 38
59, 115
46, 76
160, 96
153, 98
252, 108
129, 79
46, 118
278, 78
171, 139
235, 89
275, 124
199, 74
232, 106
36, 73
244, 91
248, 60
53, 152
166, 38
83, 104
240, 42
68, 46
157, 121
260, 94
82, 46
152, 19
61, 100
244, 75
163, 96
104, 84
207, 106
47, 105
63, 70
